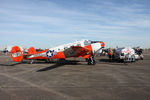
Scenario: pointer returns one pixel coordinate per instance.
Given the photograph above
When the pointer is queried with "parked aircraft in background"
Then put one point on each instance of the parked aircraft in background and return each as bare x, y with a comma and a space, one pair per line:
139, 51
84, 48
125, 54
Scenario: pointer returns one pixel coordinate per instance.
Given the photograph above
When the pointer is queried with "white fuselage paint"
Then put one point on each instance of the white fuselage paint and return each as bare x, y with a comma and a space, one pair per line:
16, 54
66, 46
60, 48
37, 55
96, 48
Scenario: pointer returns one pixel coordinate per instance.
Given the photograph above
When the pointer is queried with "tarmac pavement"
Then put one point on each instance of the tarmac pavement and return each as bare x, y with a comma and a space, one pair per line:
75, 80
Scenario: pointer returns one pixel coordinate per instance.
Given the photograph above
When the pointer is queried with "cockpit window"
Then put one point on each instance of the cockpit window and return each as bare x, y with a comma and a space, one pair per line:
87, 42
95, 41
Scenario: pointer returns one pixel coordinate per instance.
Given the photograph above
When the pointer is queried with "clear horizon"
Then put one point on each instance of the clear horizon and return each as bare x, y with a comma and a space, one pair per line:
48, 23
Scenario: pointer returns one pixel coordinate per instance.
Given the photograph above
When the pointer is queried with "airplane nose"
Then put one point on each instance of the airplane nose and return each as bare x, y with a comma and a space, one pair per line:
102, 44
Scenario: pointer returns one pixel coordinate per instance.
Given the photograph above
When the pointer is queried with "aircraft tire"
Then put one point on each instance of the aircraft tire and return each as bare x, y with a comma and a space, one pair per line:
91, 61
31, 62
133, 58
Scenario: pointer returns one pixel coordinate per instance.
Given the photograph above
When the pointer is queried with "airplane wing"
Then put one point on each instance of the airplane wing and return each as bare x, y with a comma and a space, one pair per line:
77, 51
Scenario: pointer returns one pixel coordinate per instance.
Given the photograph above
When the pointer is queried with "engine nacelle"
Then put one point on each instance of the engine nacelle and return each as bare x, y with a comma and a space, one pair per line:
96, 47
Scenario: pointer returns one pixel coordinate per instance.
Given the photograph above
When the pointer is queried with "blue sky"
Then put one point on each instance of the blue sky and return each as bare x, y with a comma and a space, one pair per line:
48, 23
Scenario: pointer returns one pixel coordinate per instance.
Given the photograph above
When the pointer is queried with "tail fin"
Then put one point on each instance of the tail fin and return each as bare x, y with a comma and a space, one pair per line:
16, 54
31, 50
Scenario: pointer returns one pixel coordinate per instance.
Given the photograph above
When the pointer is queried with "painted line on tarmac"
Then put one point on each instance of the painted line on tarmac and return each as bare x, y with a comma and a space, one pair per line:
39, 87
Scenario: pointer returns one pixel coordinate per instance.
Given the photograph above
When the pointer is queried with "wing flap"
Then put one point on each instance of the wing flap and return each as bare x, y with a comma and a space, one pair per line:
77, 51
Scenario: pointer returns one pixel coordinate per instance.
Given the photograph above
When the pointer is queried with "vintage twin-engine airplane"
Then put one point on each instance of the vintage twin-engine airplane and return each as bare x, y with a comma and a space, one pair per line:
84, 48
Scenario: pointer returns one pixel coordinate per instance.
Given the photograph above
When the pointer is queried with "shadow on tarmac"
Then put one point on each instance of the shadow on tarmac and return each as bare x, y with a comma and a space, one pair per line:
59, 64
112, 62
65, 62
50, 67
10, 64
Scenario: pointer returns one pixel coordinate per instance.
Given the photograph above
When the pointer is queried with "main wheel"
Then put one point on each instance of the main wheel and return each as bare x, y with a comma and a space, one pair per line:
91, 61
31, 61
133, 58
94, 62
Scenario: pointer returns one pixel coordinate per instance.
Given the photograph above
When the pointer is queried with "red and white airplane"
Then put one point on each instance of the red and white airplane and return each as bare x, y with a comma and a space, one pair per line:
84, 48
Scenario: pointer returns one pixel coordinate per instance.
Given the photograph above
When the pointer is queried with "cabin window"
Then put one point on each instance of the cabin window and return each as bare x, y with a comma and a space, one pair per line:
78, 44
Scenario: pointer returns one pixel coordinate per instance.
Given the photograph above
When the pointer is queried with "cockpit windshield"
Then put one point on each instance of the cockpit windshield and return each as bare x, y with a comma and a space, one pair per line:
94, 42
87, 42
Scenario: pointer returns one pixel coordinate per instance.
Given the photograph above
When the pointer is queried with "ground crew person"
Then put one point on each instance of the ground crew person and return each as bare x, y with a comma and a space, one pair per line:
110, 53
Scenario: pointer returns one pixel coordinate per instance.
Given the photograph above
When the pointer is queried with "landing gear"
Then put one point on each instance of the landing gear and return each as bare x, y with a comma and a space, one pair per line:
91, 61
141, 57
31, 62
132, 58
47, 60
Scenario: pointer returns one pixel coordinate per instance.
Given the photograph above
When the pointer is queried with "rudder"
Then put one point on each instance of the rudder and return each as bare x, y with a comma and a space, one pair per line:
16, 54
31, 50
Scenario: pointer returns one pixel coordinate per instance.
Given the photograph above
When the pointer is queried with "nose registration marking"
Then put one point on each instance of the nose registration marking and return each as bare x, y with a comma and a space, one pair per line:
16, 54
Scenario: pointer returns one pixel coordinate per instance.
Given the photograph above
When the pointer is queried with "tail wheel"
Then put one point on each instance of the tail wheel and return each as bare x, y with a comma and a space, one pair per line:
16, 54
